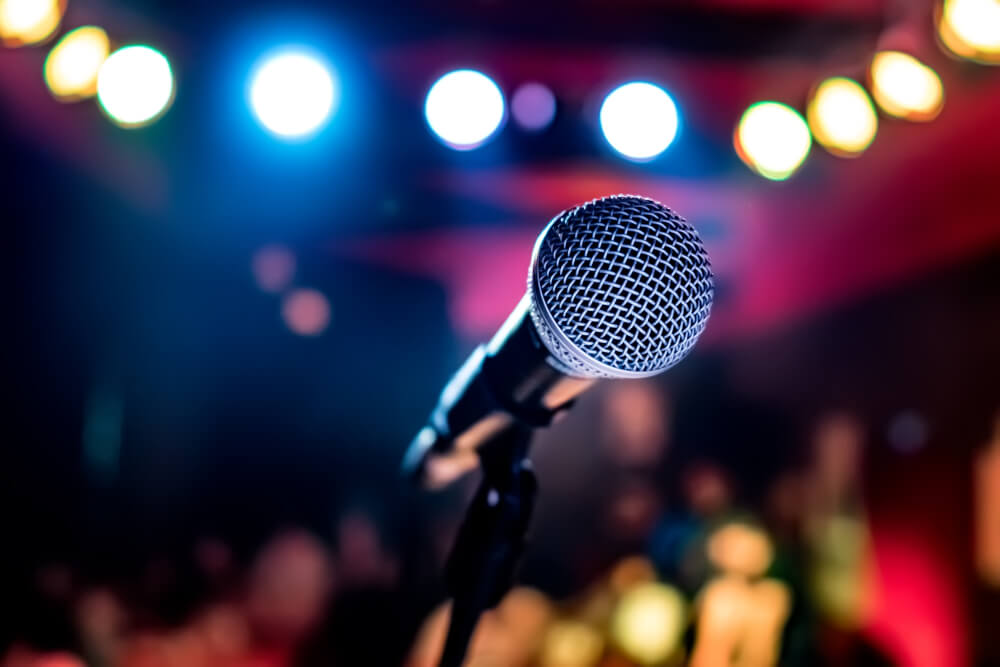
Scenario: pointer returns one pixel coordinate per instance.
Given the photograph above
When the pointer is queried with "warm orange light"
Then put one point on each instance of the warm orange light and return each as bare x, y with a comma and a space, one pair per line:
571, 644
905, 87
971, 29
739, 548
72, 65
987, 510
741, 618
25, 22
842, 117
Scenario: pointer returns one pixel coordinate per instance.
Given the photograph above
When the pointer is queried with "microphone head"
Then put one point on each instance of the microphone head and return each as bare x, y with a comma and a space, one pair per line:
621, 287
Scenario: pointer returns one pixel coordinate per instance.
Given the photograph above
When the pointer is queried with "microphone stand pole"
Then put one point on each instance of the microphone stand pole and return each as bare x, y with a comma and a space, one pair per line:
480, 569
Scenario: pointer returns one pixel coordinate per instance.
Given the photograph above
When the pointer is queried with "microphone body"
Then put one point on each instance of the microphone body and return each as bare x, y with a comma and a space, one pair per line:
512, 378
620, 287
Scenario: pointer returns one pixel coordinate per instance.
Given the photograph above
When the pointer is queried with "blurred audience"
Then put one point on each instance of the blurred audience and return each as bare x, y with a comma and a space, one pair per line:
720, 583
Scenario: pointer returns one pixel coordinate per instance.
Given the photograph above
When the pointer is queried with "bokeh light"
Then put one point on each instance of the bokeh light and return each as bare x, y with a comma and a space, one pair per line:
838, 544
772, 139
135, 85
306, 312
987, 509
635, 424
904, 87
570, 643
293, 93
740, 548
533, 106
25, 22
971, 29
706, 489
639, 120
842, 117
648, 623
71, 67
464, 108
273, 268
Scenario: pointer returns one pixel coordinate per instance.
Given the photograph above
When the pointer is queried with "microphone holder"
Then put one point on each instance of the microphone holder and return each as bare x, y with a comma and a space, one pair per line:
480, 568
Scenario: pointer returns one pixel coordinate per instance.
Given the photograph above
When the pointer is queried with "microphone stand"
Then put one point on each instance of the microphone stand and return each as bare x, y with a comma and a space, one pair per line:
480, 568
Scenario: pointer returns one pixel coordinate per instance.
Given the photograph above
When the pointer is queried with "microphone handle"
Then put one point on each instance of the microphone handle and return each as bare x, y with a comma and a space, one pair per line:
513, 379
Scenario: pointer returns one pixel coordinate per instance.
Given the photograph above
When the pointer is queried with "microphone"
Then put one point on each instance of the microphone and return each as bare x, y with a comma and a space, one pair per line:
619, 287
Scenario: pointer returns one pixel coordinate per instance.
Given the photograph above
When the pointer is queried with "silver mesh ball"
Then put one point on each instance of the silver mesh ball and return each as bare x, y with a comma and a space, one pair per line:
620, 287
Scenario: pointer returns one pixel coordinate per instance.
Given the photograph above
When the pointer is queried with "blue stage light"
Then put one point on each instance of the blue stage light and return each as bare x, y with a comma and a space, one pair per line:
464, 108
639, 120
293, 93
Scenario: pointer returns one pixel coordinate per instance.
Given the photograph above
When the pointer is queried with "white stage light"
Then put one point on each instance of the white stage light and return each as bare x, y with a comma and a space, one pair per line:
293, 94
639, 120
464, 108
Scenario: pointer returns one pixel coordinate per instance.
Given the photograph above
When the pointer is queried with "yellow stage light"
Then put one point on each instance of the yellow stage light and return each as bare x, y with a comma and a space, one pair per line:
72, 65
772, 139
905, 87
842, 117
28, 21
971, 29
649, 622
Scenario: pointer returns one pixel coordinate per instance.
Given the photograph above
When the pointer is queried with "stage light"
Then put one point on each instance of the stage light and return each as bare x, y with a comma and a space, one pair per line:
904, 87
648, 623
842, 117
464, 108
28, 21
293, 93
971, 29
306, 312
639, 120
533, 106
772, 139
135, 85
71, 67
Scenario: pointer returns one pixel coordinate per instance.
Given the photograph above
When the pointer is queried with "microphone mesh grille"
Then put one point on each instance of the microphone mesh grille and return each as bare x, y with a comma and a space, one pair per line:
626, 281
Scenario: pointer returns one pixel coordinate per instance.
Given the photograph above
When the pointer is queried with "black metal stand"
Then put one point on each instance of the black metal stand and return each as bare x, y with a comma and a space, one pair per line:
481, 566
